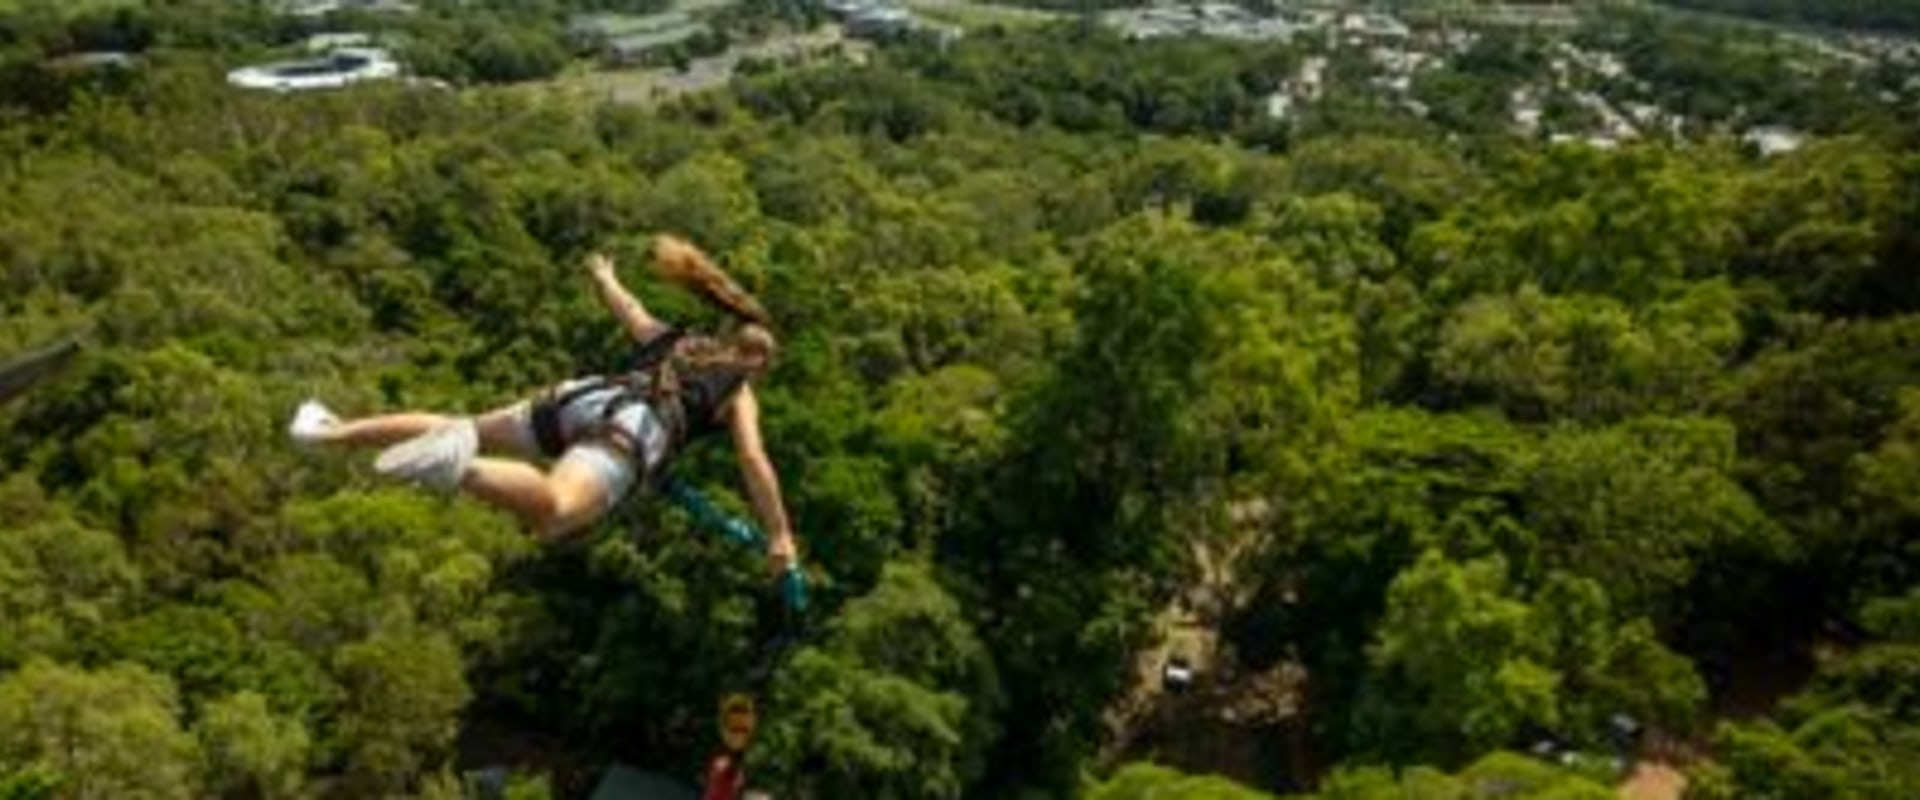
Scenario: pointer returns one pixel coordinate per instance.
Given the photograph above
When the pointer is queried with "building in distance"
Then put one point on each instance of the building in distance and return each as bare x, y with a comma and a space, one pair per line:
343, 67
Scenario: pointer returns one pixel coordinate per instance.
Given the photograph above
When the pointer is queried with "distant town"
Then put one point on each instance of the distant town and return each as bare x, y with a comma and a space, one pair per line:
1570, 101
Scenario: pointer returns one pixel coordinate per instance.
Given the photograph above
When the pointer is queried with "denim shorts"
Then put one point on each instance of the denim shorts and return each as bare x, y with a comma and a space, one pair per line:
579, 422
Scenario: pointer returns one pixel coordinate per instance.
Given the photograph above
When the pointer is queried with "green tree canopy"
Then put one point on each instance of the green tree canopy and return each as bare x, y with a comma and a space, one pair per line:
115, 732
900, 699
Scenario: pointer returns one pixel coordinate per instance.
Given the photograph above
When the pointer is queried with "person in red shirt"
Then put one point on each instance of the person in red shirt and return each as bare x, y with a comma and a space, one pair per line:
726, 779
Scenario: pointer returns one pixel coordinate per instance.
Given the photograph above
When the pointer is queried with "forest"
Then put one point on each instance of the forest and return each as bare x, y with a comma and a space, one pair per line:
1492, 444
1885, 15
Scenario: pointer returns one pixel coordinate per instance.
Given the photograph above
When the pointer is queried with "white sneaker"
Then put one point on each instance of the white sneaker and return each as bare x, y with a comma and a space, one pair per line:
311, 423
437, 458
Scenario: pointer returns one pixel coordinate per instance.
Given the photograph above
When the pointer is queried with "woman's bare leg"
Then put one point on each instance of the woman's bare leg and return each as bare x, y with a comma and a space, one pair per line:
383, 429
551, 504
508, 431
499, 430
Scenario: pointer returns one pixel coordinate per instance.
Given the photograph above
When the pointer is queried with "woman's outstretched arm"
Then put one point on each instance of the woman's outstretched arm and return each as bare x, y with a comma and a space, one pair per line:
763, 484
642, 326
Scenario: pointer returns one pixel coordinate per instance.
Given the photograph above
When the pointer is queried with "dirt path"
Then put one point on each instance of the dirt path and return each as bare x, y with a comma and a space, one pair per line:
1231, 721
1249, 725
969, 14
649, 86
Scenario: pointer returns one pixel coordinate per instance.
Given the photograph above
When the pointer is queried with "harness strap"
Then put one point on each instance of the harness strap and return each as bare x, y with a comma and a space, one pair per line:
546, 414
607, 428
655, 350
649, 379
793, 582
604, 426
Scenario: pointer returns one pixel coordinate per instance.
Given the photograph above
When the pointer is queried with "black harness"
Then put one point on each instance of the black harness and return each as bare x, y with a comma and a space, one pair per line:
648, 381
686, 398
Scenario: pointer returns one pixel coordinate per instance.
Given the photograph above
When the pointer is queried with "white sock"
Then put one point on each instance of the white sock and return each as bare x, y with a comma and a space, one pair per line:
311, 422
437, 458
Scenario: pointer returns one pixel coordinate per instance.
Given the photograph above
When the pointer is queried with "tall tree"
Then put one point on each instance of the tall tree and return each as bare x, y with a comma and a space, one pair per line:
899, 700
110, 733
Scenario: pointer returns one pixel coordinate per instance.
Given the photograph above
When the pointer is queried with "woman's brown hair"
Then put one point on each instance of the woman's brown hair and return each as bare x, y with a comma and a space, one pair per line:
679, 261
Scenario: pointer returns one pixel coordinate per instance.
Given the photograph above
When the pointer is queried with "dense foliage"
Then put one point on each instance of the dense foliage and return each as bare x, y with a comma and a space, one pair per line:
1514, 439
1892, 15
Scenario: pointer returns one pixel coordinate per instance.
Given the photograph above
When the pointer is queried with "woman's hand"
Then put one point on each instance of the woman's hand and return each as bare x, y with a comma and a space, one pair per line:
599, 265
781, 555
632, 315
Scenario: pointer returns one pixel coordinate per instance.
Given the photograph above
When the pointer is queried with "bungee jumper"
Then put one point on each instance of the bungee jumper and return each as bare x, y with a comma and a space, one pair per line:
605, 434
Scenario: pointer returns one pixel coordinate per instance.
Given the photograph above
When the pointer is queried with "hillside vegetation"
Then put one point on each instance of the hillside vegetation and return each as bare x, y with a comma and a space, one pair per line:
1886, 15
1544, 434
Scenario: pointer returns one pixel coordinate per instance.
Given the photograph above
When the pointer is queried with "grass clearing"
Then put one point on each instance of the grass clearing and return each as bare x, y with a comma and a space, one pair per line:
973, 16
64, 7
